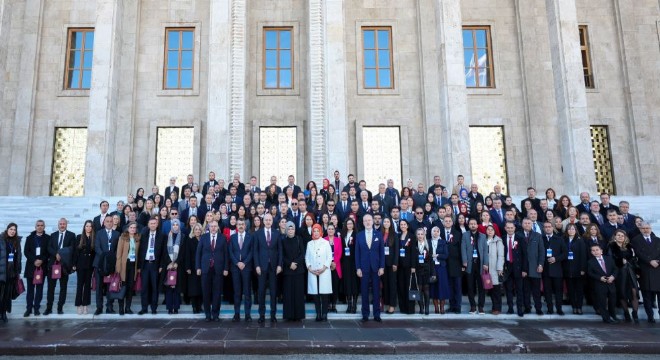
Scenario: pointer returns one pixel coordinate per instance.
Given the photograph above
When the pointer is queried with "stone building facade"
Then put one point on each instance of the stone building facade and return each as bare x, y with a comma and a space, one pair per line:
543, 99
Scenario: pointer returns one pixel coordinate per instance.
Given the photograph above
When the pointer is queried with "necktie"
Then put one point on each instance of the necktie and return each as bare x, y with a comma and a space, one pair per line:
364, 204
368, 235
437, 200
209, 208
447, 235
152, 241
648, 240
602, 265
268, 237
240, 241
625, 217
510, 249
535, 227
59, 244
456, 210
212, 261
499, 213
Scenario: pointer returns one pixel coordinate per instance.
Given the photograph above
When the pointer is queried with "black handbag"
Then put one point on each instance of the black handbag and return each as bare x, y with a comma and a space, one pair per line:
414, 294
119, 295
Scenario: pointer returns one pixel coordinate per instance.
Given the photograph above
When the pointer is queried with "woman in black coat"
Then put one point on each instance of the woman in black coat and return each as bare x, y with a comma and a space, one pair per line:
349, 281
575, 267
406, 264
10, 267
424, 269
193, 281
391, 265
83, 255
294, 274
625, 278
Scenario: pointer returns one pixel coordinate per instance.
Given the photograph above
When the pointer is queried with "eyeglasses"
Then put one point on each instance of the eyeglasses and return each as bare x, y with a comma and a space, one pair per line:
419, 213
331, 205
294, 203
174, 213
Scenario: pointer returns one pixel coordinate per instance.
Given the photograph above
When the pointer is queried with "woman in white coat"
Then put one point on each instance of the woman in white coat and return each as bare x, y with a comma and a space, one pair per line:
318, 258
496, 267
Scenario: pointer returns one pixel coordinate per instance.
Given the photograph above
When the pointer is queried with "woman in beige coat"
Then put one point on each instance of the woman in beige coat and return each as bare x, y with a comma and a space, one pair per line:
126, 265
496, 267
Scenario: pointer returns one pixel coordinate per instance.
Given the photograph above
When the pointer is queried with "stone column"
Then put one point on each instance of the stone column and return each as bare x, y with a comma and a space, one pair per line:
103, 98
217, 123
335, 121
570, 97
237, 110
452, 124
317, 91
22, 127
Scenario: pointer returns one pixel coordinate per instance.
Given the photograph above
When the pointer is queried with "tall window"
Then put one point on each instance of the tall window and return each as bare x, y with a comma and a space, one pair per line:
478, 54
377, 66
78, 72
586, 57
179, 48
278, 58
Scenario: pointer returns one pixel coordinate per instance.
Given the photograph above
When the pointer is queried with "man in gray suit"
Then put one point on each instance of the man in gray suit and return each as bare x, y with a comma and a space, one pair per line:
474, 251
105, 245
535, 258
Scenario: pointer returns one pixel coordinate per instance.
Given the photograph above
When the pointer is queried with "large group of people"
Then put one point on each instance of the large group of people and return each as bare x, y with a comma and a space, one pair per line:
329, 244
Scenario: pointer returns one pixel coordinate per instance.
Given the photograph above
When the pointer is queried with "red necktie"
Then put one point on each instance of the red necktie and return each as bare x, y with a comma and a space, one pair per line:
212, 262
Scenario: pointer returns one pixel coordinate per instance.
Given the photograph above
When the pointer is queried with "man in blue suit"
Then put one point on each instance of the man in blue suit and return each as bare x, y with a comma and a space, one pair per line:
497, 214
104, 245
212, 262
268, 262
370, 265
241, 252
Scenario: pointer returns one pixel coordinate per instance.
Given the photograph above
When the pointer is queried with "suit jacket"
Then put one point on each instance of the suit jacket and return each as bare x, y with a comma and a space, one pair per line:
467, 249
574, 267
392, 241
582, 208
535, 253
594, 220
98, 224
454, 261
604, 210
265, 255
296, 189
419, 199
519, 263
160, 244
650, 276
595, 271
474, 199
386, 202
204, 254
497, 220
369, 259
607, 230
101, 243
66, 251
185, 215
536, 203
168, 192
207, 185
32, 242
559, 252
244, 255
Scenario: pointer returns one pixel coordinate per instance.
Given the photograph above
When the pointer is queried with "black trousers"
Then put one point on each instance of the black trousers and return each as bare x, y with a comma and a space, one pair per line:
474, 286
268, 277
403, 283
34, 294
605, 299
130, 276
496, 297
211, 291
532, 287
649, 298
149, 293
455, 293
553, 286
84, 287
101, 289
514, 285
50, 296
576, 291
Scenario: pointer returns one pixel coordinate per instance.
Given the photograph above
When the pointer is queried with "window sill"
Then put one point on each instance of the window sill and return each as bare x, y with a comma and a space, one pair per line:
278, 92
178, 92
484, 91
363, 91
73, 93
593, 91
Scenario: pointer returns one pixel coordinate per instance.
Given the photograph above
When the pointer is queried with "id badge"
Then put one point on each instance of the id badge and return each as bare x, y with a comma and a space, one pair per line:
131, 257
474, 254
402, 252
150, 252
420, 259
387, 251
38, 251
11, 257
570, 255
548, 252
347, 251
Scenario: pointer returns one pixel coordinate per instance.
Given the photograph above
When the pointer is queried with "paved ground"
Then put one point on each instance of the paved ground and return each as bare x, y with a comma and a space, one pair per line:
361, 357
392, 337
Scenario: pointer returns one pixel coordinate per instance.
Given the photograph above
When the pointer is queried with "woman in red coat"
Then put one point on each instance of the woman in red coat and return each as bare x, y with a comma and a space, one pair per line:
335, 266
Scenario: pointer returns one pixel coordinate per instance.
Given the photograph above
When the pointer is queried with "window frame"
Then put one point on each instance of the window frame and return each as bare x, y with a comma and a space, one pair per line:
376, 49
291, 48
585, 54
180, 50
489, 52
67, 58
354, 69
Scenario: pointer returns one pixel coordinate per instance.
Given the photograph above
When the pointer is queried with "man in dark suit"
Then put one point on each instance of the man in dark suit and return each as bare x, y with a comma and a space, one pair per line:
193, 210
420, 223
594, 214
36, 254
189, 184
99, 220
553, 270
105, 245
351, 183
268, 262
437, 182
343, 206
370, 265
531, 196
474, 196
336, 182
365, 204
497, 214
212, 262
454, 263
241, 253
209, 185
254, 187
628, 218
535, 261
60, 250
172, 188
647, 248
292, 184
392, 192
601, 272
385, 201
605, 205
474, 255
610, 226
515, 265
584, 205
419, 197
150, 255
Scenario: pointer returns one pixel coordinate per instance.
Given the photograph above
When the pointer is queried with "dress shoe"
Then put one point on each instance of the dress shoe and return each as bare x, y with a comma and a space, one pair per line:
560, 312
208, 319
539, 312
129, 311
176, 311
495, 312
216, 319
365, 319
610, 321
37, 313
142, 312
170, 312
4, 317
550, 312
651, 321
481, 311
154, 312
248, 318
520, 314
60, 311
378, 319
528, 311
48, 312
510, 311
98, 312
273, 319
473, 310
109, 311
236, 318
262, 319
27, 313
121, 312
